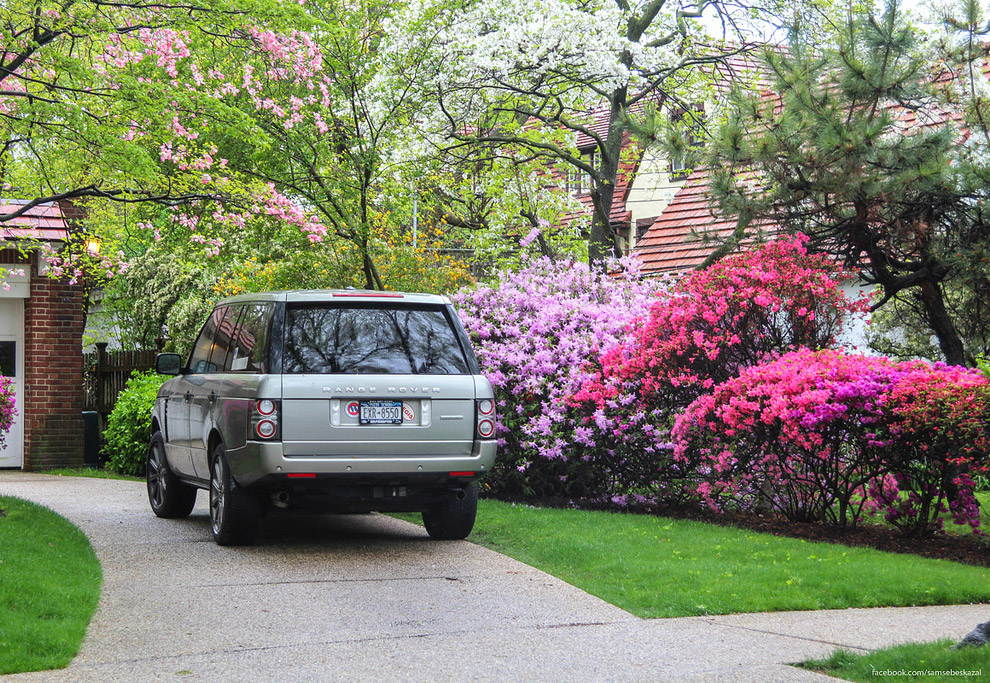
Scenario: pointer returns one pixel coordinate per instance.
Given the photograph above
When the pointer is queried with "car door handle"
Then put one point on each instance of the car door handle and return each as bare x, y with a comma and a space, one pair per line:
188, 396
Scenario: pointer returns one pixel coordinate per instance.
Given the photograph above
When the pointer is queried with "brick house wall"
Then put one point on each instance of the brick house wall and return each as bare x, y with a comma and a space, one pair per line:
53, 389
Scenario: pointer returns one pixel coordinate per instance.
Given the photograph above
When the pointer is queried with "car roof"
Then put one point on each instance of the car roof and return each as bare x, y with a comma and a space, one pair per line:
338, 296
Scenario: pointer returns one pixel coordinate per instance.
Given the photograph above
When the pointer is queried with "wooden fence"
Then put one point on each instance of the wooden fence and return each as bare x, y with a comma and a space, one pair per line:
105, 374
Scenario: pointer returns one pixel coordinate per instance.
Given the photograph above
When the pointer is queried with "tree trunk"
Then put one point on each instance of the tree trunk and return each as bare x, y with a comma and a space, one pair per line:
938, 318
603, 242
372, 280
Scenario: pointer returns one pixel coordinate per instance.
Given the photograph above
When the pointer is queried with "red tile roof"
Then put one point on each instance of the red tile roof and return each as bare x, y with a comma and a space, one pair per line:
44, 222
688, 230
673, 242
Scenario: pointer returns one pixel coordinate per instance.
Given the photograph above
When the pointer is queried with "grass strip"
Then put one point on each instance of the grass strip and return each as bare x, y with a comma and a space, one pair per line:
91, 472
910, 662
660, 567
49, 587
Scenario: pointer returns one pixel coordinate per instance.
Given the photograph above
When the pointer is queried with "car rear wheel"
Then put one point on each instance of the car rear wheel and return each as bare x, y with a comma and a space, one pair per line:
169, 497
454, 519
234, 512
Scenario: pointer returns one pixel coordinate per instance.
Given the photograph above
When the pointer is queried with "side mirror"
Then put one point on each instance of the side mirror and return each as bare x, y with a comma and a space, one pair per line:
168, 364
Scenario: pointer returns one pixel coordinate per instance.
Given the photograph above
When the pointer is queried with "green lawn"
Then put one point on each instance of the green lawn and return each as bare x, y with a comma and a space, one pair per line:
918, 662
49, 587
658, 567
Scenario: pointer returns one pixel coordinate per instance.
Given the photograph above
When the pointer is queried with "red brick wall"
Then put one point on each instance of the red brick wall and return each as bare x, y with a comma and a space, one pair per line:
53, 395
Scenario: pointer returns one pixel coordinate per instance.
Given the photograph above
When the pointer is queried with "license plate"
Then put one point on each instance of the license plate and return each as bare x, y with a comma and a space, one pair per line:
380, 412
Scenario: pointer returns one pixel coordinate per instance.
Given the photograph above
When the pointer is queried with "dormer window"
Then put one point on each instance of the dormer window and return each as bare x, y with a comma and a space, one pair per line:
578, 180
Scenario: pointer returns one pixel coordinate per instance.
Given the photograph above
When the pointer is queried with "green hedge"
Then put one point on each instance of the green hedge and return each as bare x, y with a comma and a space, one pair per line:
129, 426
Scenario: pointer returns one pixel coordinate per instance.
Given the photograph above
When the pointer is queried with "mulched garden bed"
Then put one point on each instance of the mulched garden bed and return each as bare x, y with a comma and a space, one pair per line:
967, 548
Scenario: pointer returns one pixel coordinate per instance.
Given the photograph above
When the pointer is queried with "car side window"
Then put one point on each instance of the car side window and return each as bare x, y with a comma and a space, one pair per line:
202, 359
224, 342
248, 350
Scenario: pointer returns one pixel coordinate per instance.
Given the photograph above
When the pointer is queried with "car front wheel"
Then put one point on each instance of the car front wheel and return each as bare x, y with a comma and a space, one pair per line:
234, 512
169, 497
454, 519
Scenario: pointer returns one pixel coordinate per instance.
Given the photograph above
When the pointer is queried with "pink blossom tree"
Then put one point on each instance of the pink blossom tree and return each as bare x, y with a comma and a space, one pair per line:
85, 85
290, 114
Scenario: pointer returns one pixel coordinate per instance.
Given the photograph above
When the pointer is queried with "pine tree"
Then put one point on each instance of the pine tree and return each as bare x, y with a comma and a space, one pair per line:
862, 149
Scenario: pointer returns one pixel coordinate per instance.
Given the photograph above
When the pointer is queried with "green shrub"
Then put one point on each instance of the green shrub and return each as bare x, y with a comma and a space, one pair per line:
129, 427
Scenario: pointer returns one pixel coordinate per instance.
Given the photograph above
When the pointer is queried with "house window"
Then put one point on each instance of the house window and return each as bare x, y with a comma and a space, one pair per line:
578, 180
691, 123
8, 359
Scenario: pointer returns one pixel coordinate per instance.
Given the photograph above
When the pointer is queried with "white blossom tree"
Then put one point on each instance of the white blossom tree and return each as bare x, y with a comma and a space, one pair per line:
532, 75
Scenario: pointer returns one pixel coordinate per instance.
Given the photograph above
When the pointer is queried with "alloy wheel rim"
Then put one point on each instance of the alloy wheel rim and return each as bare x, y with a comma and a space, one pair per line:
217, 496
157, 479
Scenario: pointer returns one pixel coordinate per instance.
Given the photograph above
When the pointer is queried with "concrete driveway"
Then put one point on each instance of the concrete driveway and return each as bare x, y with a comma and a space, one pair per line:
366, 597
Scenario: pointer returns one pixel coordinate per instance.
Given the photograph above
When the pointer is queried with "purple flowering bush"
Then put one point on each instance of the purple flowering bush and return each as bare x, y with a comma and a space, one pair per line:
7, 407
538, 334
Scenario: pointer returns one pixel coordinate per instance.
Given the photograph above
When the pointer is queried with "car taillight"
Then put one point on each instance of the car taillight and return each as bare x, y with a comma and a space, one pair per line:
264, 422
485, 409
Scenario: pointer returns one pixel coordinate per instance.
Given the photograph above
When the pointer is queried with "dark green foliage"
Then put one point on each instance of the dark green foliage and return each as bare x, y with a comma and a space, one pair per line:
129, 427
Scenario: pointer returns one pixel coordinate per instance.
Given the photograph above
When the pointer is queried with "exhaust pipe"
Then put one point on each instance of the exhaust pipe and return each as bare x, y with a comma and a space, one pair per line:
281, 499
459, 494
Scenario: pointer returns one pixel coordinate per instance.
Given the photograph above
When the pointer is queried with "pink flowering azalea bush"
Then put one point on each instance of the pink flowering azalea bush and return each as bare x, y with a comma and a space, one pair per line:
826, 436
741, 311
8, 411
537, 333
800, 436
938, 422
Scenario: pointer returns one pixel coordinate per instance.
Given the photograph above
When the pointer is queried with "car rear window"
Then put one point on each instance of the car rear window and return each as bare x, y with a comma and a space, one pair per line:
366, 340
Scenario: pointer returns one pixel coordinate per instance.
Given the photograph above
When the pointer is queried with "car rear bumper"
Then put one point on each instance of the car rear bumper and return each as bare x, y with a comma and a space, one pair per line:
258, 463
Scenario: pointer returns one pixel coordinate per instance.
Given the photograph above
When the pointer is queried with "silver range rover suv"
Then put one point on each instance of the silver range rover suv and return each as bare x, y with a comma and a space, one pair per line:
336, 401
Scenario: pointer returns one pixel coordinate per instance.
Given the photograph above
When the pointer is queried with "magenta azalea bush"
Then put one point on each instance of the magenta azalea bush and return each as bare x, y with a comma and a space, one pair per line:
801, 435
537, 333
825, 436
743, 310
8, 411
938, 422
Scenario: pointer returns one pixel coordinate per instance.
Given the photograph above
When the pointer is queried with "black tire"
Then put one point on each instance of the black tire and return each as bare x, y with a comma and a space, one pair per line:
169, 497
454, 519
234, 512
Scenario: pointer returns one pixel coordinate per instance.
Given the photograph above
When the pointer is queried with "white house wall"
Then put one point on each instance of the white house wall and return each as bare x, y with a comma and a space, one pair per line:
652, 189
854, 337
